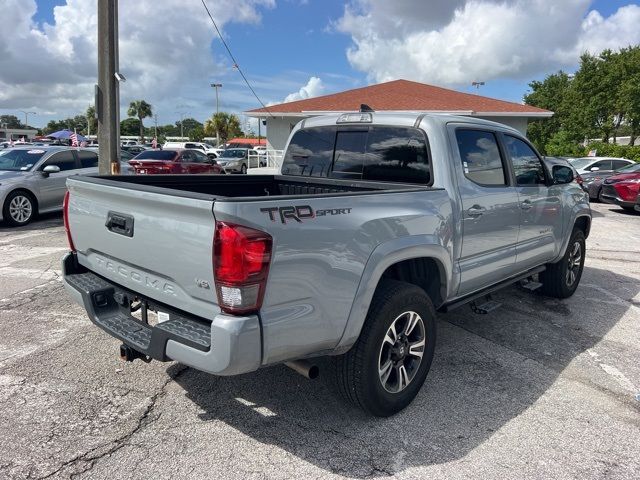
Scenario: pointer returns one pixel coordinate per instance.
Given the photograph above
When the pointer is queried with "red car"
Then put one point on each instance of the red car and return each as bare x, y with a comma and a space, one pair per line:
177, 161
622, 189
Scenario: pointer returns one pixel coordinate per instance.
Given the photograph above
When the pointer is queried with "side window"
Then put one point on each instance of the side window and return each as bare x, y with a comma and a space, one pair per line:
63, 160
88, 159
199, 157
349, 154
619, 164
190, 145
602, 165
187, 156
397, 154
480, 155
310, 152
526, 164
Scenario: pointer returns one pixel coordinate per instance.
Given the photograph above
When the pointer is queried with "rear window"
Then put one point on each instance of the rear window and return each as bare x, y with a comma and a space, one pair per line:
166, 155
380, 153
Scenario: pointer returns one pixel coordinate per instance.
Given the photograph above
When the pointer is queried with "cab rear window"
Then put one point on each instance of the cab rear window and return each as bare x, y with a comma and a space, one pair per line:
379, 153
166, 155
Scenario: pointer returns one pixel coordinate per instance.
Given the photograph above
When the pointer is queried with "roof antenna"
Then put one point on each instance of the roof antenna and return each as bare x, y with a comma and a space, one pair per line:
365, 108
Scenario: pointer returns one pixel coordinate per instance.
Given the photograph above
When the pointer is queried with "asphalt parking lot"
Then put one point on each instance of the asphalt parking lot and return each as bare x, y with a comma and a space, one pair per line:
539, 388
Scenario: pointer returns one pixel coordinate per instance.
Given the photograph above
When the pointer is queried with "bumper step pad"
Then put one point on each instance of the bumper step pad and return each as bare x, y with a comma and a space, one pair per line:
104, 311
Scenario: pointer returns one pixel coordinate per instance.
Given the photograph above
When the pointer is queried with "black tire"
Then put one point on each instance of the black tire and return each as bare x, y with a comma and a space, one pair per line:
243, 169
25, 215
558, 280
357, 371
600, 199
629, 209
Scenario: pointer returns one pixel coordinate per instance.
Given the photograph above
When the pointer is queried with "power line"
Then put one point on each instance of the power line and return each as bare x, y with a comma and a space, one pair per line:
235, 63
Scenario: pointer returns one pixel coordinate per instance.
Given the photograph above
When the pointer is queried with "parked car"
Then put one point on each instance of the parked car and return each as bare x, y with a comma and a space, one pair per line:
599, 164
622, 189
203, 147
594, 180
135, 149
236, 160
174, 161
126, 143
377, 221
637, 207
32, 179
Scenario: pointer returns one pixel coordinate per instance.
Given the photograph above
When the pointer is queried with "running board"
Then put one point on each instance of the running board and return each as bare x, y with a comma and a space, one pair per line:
489, 305
493, 288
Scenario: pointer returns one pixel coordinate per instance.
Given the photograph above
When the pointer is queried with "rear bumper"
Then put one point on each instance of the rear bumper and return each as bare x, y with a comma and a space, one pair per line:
228, 345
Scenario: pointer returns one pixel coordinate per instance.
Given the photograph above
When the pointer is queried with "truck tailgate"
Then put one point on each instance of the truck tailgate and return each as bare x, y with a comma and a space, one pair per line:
157, 245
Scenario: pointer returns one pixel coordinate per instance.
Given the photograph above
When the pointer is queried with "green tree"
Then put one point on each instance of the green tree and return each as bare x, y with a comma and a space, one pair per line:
196, 134
227, 125
549, 94
130, 126
92, 120
11, 121
141, 110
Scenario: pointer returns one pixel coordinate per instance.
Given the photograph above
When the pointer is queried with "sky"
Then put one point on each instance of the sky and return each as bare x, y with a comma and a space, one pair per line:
294, 49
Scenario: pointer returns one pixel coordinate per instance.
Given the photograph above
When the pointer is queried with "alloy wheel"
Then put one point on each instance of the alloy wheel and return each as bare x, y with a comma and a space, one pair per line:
574, 263
20, 208
401, 352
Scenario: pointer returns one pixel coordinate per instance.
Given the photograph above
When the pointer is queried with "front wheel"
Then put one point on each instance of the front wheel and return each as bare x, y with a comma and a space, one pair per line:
561, 279
19, 208
243, 169
385, 369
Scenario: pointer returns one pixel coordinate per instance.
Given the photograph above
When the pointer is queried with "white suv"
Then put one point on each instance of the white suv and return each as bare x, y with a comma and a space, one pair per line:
203, 147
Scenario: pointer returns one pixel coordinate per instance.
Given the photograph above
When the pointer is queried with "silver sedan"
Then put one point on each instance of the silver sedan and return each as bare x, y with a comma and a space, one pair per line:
33, 179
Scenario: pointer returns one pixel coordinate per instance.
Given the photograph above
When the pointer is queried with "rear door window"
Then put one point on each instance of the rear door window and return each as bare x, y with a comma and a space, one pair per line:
526, 164
88, 159
480, 156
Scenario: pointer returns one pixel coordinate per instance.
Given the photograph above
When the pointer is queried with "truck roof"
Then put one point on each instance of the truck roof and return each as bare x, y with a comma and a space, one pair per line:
400, 119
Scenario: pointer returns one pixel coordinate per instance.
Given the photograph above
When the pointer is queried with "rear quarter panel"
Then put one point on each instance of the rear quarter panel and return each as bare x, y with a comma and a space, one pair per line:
318, 263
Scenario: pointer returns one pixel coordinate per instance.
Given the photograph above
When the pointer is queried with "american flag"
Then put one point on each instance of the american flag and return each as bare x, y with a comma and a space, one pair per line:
154, 143
74, 139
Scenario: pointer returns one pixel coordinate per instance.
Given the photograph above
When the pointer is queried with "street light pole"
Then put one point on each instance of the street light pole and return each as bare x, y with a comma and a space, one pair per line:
26, 117
155, 119
182, 114
217, 86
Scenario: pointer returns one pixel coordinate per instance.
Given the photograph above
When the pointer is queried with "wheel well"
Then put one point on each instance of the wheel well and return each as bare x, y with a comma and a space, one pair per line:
425, 273
584, 224
27, 192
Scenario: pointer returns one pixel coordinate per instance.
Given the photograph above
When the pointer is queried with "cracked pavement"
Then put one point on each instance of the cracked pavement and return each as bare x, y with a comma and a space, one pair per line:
536, 389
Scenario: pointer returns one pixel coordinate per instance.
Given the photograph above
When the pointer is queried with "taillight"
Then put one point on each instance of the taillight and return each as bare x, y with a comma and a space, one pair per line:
65, 216
241, 257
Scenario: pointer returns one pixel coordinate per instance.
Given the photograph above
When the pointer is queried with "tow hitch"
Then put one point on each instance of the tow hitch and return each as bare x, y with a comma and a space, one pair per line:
128, 354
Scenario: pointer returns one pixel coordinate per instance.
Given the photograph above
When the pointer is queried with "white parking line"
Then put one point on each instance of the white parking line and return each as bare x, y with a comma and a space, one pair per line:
620, 377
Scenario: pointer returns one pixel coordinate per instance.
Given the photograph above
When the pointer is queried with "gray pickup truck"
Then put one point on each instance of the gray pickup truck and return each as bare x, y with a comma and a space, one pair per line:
376, 222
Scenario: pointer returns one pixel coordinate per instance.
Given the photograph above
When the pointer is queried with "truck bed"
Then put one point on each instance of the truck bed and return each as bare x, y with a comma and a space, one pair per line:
246, 187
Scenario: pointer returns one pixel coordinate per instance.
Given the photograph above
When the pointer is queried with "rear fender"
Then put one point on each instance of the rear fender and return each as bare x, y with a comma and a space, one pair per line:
385, 255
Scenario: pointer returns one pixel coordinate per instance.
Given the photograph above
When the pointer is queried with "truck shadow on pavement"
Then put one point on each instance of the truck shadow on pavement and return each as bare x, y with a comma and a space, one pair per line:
488, 369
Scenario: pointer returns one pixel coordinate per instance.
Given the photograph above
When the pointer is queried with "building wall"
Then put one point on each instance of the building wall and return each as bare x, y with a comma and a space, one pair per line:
17, 133
278, 128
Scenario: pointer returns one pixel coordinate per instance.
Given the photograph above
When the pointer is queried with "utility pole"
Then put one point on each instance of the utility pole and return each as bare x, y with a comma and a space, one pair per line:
216, 86
155, 120
107, 93
26, 116
182, 114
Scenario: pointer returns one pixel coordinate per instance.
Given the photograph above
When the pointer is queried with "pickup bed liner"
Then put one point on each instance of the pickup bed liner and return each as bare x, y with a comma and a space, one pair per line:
248, 187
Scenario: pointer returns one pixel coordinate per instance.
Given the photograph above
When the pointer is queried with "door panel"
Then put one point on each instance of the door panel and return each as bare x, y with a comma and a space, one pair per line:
53, 187
541, 212
491, 216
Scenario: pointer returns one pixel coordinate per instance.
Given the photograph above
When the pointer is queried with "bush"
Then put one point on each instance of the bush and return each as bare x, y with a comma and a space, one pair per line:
612, 150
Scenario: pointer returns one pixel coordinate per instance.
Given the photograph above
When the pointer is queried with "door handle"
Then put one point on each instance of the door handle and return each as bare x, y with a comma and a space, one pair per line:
476, 211
526, 205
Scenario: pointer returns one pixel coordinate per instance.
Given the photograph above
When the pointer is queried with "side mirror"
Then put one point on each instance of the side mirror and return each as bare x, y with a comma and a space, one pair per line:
562, 175
594, 169
49, 169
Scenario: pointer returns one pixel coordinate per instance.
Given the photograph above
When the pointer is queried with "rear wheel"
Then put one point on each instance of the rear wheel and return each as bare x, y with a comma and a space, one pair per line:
561, 279
19, 208
600, 199
385, 369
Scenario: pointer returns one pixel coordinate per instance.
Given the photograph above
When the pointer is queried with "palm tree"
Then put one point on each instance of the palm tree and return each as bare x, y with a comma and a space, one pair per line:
224, 125
141, 110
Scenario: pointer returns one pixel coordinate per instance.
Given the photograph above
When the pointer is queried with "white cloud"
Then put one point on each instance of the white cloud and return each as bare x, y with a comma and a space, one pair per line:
165, 53
455, 42
313, 88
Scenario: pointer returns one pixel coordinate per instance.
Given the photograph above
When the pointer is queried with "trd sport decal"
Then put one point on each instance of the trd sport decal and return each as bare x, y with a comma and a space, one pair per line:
300, 212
